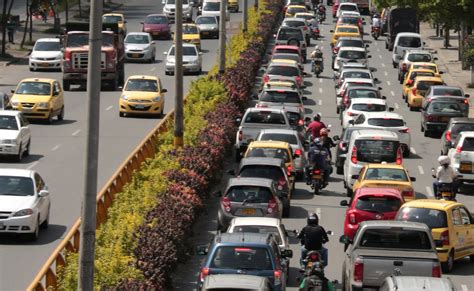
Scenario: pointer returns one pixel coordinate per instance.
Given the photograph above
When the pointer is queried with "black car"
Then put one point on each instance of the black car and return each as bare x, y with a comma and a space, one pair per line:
435, 115
455, 126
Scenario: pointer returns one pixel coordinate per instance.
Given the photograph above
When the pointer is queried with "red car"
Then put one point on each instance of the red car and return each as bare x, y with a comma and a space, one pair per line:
157, 25
370, 204
288, 49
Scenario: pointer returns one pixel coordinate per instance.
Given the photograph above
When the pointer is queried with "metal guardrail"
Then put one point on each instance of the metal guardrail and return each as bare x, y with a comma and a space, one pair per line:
46, 279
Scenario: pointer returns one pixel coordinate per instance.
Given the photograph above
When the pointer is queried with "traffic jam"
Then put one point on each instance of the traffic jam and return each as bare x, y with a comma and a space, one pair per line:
395, 237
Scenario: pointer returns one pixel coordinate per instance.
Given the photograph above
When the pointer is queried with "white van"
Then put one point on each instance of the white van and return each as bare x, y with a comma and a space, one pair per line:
405, 41
213, 8
169, 9
370, 146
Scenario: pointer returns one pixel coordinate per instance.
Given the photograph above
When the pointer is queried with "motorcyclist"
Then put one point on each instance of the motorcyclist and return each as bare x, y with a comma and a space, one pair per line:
317, 53
376, 22
318, 158
445, 174
327, 142
314, 128
312, 238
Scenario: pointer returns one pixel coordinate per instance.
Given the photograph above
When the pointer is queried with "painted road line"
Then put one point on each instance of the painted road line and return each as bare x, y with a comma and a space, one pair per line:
388, 83
464, 288
318, 212
320, 90
55, 147
412, 149
320, 102
108, 108
429, 191
383, 65
380, 56
396, 106
32, 165
152, 69
392, 93
320, 80
76, 132
420, 168
385, 73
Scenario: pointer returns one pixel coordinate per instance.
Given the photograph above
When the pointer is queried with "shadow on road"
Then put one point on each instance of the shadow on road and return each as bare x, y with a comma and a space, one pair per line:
52, 233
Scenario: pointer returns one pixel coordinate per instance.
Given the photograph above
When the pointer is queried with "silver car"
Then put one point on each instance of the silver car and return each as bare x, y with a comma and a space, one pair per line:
350, 54
139, 46
192, 59
412, 56
208, 26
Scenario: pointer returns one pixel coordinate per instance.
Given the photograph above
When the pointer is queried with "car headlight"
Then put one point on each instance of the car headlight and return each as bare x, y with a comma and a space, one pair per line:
15, 103
171, 61
24, 212
147, 48
43, 104
124, 97
166, 9
157, 99
9, 141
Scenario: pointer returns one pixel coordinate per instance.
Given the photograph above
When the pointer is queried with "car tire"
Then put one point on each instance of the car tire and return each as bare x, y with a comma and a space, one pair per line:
122, 114
286, 209
471, 258
406, 153
61, 114
50, 117
66, 85
220, 227
35, 234
27, 151
449, 264
349, 192
340, 170
45, 223
31, 69
19, 156
238, 155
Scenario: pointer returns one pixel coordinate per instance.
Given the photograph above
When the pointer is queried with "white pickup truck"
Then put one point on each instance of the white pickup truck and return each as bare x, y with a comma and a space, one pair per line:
253, 121
462, 156
384, 248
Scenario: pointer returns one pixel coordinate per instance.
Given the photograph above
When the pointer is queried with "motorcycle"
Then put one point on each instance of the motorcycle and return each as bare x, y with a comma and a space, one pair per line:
321, 16
317, 180
375, 32
317, 67
445, 191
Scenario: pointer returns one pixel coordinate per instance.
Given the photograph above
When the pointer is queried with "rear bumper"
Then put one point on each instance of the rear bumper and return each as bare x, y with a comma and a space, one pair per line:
82, 77
436, 126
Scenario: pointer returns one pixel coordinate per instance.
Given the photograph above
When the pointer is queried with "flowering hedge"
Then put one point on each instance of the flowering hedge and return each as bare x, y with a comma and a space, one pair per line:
149, 224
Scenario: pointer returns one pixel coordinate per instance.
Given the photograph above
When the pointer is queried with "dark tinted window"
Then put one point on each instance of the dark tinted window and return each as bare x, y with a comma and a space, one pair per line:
348, 8
294, 23
262, 171
460, 127
187, 51
468, 144
431, 217
206, 20
396, 239
47, 46
34, 88
280, 97
352, 55
356, 74
269, 153
386, 174
260, 229
424, 85
293, 10
448, 92
351, 42
294, 118
424, 74
347, 29
212, 6
409, 41
250, 194
286, 34
289, 138
242, 258
283, 71
362, 93
419, 58
376, 151
444, 107
287, 51
8, 122
386, 122
369, 107
265, 117
350, 20
378, 203
16, 186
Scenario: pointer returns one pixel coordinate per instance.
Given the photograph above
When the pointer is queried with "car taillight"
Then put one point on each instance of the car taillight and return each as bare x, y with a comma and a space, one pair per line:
317, 172
335, 50
352, 218
288, 170
404, 67
447, 135
408, 193
399, 159
272, 205
277, 275
113, 54
359, 270
354, 155
298, 152
305, 28
266, 78
226, 203
241, 135
300, 122
342, 147
429, 118
261, 106
346, 101
413, 91
436, 270
459, 149
444, 238
351, 113
466, 101
315, 30
314, 257
204, 273
405, 130
298, 80
282, 181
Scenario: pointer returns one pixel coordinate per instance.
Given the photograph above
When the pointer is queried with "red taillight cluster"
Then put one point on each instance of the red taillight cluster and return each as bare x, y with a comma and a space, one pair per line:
466, 101
399, 158
447, 135
342, 147
359, 270
436, 271
459, 149
352, 218
298, 152
444, 238
413, 91
300, 122
404, 67
405, 130
408, 193
241, 135
431, 118
317, 172
67, 55
277, 275
335, 50
225, 201
266, 78
346, 101
354, 155
272, 205
298, 80
203, 274
314, 257
351, 113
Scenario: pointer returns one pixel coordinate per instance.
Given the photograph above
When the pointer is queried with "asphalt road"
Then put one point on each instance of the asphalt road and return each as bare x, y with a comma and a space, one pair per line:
57, 151
321, 98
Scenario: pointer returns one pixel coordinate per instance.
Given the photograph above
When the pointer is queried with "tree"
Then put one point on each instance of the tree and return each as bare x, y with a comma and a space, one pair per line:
5, 14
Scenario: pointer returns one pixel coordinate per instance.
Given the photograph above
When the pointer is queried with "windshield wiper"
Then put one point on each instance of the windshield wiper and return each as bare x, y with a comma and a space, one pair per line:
248, 200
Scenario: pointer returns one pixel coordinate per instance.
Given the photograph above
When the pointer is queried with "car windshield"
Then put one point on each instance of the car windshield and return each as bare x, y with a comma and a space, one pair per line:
137, 39
142, 85
294, 23
187, 51
241, 258
395, 238
468, 144
263, 229
262, 152
351, 42
386, 122
356, 74
361, 93
250, 194
156, 20
448, 92
280, 97
348, 8
34, 88
369, 107
376, 151
378, 203
47, 46
286, 71
419, 58
82, 39
433, 218
265, 117
287, 34
460, 127
206, 20
352, 55
444, 107
289, 138
190, 29
347, 30
212, 6
386, 174
409, 41
16, 186
424, 85
262, 171
111, 19
293, 57
8, 122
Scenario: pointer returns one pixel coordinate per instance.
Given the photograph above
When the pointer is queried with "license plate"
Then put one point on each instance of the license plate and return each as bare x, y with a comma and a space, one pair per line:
445, 118
316, 177
44, 65
310, 264
135, 55
139, 106
466, 167
205, 32
26, 110
249, 211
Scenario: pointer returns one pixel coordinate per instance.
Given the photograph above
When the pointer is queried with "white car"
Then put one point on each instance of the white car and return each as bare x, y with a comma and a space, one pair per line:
15, 134
462, 156
169, 9
346, 6
139, 46
24, 202
46, 54
213, 8
354, 73
347, 54
350, 82
362, 105
192, 59
389, 121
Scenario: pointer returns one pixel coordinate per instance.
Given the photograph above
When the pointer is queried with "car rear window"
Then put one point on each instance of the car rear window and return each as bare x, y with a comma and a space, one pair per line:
356, 74
376, 151
448, 92
293, 10
250, 194
259, 229
386, 174
369, 107
348, 8
347, 30
353, 55
468, 144
433, 218
349, 20
294, 23
280, 97
424, 85
261, 171
361, 93
287, 34
396, 239
386, 122
419, 58
460, 127
409, 41
444, 107
289, 138
286, 71
378, 203
294, 118
424, 74
286, 51
265, 117
351, 42
269, 153
241, 258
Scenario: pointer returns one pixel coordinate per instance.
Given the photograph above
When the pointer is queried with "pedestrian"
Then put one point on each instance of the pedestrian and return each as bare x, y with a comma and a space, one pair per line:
11, 27
44, 15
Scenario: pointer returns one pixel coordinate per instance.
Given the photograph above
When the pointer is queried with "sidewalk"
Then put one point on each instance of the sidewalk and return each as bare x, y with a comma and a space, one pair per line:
448, 60
41, 30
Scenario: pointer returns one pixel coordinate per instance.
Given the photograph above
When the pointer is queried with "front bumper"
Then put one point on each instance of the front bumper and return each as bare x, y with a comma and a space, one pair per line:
159, 33
209, 33
233, 7
34, 112
39, 64
172, 14
186, 67
9, 149
138, 55
21, 224
140, 107
82, 76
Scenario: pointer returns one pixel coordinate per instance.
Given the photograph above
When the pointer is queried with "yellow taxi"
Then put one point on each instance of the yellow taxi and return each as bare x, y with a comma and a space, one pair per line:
451, 224
233, 5
410, 78
275, 149
39, 98
116, 18
142, 95
344, 30
386, 176
427, 66
418, 90
291, 10
191, 34
282, 83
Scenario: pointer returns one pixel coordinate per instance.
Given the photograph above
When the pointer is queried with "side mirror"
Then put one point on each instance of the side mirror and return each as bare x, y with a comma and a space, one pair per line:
351, 122
142, 22
413, 179
369, 56
202, 250
384, 97
367, 45
12, 90
441, 72
125, 21
153, 42
200, 53
345, 240
398, 57
43, 193
467, 95
435, 59
376, 79
344, 203
217, 193
355, 177
254, 96
391, 109
304, 98
55, 93
287, 253
164, 90
231, 172
331, 31
238, 121
424, 43
380, 88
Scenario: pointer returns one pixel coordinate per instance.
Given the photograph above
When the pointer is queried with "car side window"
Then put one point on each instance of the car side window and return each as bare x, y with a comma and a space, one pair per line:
457, 217
360, 119
465, 217
39, 183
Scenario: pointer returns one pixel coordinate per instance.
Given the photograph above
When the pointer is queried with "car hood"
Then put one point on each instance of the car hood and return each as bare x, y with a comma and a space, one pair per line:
155, 26
14, 203
46, 54
140, 95
8, 134
136, 46
207, 26
190, 36
185, 58
30, 98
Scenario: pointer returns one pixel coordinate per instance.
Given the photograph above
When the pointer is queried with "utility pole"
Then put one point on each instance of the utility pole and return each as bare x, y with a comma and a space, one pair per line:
245, 17
222, 25
88, 211
178, 76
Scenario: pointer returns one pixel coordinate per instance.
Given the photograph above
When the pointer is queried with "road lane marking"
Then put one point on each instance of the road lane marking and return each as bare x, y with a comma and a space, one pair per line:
464, 287
388, 83
320, 80
378, 49
385, 73
32, 165
392, 93
320, 102
55, 147
320, 90
380, 56
383, 65
420, 168
429, 191
412, 149
108, 108
152, 69
318, 212
76, 132
396, 106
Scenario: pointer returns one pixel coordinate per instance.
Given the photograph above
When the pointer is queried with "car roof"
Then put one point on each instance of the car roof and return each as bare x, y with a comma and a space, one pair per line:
345, 70
138, 33
350, 38
416, 283
225, 281
348, 3
42, 80
112, 14
269, 143
352, 48
263, 221
345, 25
434, 87
48, 39
432, 204
367, 133
296, 6
380, 191
242, 238
423, 64
266, 109
286, 46
384, 166
147, 77
294, 18
279, 89
281, 131
400, 34
233, 182
368, 101
359, 80
383, 114
261, 161
16, 172
394, 223
9, 112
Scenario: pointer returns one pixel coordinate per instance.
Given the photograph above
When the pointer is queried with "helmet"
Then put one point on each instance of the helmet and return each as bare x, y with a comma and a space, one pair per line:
313, 219
317, 141
317, 48
317, 117
443, 160
376, 15
323, 132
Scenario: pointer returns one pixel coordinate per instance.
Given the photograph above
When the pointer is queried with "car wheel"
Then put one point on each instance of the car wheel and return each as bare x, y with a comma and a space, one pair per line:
122, 114
31, 69
66, 85
61, 114
45, 223
340, 170
19, 156
426, 133
406, 153
449, 264
50, 117
349, 192
27, 151
471, 257
35, 234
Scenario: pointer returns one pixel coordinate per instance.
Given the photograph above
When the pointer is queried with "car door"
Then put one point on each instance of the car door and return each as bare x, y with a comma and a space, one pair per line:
43, 202
25, 133
468, 222
57, 97
460, 233
466, 234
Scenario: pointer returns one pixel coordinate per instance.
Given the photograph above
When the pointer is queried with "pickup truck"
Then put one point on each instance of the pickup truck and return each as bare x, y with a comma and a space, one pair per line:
384, 248
253, 121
